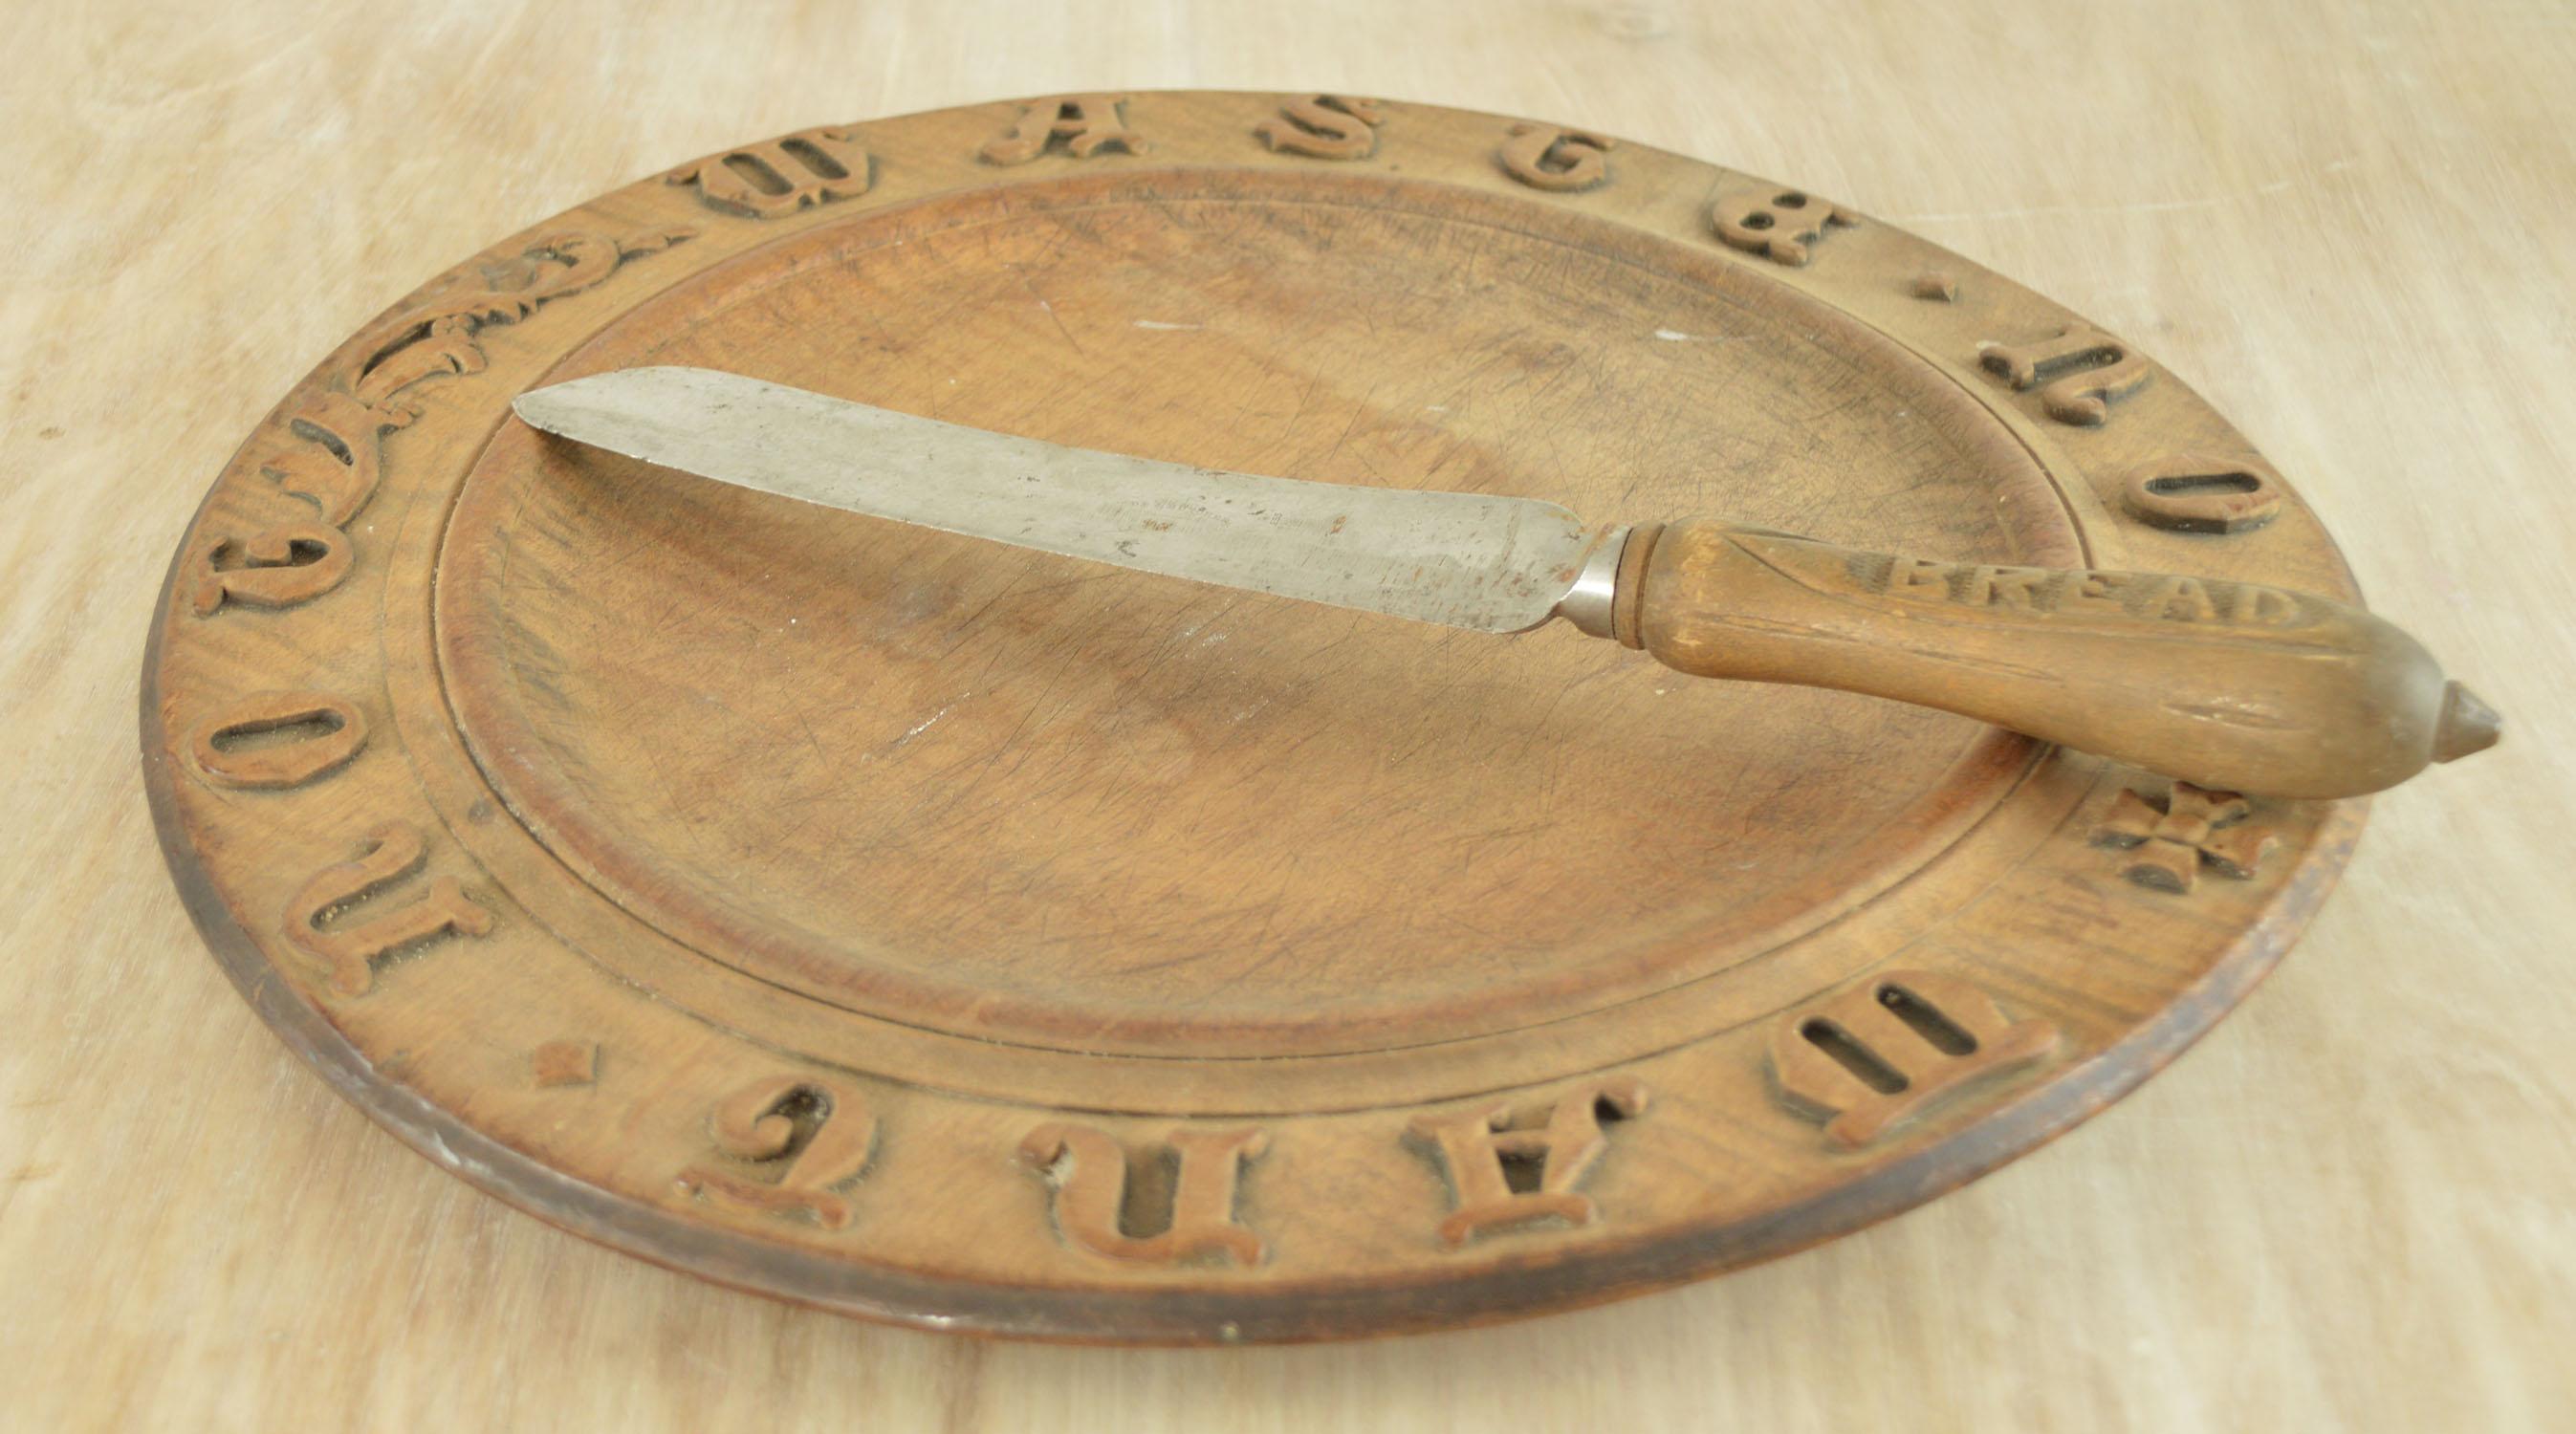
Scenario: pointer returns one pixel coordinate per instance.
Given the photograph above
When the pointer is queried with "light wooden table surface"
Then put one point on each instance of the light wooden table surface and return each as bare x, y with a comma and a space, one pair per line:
2354, 1206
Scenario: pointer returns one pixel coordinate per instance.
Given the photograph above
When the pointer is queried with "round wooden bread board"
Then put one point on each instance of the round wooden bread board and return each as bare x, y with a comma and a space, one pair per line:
991, 941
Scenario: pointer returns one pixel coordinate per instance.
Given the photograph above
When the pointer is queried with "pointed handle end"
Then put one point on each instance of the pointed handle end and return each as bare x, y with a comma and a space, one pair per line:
2467, 725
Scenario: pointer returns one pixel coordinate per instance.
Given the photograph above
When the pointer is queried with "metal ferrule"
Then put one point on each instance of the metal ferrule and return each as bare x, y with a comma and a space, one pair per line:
1588, 604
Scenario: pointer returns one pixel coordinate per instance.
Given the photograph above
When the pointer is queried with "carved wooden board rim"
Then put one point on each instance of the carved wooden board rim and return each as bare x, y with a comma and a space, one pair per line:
652, 860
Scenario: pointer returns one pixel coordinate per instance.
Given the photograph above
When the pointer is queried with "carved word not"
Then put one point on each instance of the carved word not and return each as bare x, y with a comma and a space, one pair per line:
1562, 161
782, 175
1504, 1172
348, 945
2189, 493
1080, 125
1782, 225
273, 740
2168, 842
1087, 1170
1325, 127
2078, 371
1882, 1051
801, 1138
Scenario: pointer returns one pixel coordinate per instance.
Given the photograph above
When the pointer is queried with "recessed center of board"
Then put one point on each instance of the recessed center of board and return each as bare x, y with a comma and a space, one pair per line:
1023, 797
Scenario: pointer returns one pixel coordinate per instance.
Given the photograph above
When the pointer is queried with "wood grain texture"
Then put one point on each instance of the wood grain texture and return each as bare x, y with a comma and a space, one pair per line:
2351, 1207
1024, 866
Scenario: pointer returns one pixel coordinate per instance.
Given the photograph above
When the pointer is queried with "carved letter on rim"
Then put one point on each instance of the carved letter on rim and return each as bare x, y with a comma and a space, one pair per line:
1882, 1051
2078, 371
438, 338
1505, 1172
337, 463
782, 175
348, 946
1087, 1170
1080, 125
812, 1130
279, 568
2190, 493
1559, 160
273, 740
1782, 225
335, 458
1325, 127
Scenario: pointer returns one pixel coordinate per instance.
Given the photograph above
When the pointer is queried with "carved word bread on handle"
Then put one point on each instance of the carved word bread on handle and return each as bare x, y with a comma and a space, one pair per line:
793, 1141
2168, 842
781, 176
348, 918
1782, 225
1504, 1171
1881, 1052
2147, 598
1562, 161
269, 741
1086, 1169
1078, 125
1325, 127
2078, 371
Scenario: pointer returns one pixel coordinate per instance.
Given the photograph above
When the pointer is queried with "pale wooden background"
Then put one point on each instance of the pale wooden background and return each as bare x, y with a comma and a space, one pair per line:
2352, 1207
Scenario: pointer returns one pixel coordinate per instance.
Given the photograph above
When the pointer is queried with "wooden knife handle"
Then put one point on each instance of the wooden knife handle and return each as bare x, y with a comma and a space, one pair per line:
2225, 685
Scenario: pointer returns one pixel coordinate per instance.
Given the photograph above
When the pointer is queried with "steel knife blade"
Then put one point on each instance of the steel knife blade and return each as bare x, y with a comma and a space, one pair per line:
1471, 560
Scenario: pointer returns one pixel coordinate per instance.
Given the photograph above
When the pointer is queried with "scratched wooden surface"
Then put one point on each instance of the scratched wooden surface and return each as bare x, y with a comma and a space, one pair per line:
2352, 1207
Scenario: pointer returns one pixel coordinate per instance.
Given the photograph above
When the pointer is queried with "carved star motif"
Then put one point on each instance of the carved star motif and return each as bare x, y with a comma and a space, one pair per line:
2168, 842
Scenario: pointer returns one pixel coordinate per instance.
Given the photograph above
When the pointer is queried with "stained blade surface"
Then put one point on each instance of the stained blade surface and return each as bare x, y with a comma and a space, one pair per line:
1463, 559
